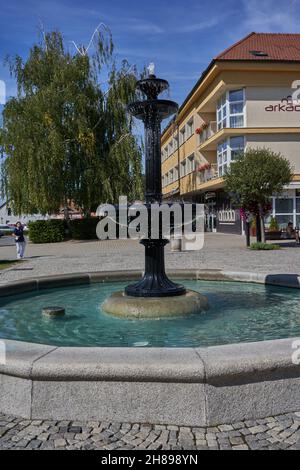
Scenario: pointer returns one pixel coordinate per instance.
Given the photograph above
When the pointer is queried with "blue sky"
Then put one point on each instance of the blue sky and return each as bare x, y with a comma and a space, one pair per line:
181, 37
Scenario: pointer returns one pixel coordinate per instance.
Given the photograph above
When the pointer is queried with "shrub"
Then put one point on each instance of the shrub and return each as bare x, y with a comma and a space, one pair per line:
264, 246
47, 231
84, 229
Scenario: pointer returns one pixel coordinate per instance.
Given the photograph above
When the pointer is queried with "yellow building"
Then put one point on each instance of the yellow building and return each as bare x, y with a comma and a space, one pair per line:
246, 98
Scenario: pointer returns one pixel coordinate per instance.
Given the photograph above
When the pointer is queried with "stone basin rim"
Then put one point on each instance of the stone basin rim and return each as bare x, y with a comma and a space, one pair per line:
38, 381
81, 278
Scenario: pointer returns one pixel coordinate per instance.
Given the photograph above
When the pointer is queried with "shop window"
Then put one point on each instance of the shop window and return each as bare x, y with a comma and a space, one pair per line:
283, 220
284, 206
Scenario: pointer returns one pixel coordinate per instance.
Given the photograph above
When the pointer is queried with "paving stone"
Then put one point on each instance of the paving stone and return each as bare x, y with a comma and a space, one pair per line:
235, 441
225, 427
60, 443
257, 429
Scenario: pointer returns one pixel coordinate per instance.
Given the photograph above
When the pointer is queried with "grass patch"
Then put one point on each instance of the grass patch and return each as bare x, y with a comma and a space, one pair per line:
7, 264
264, 247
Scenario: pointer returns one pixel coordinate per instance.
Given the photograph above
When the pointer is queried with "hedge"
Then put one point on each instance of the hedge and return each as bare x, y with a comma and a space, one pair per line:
47, 231
84, 229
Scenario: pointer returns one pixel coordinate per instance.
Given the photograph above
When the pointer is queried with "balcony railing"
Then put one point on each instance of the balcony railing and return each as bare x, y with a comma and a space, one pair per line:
208, 132
209, 174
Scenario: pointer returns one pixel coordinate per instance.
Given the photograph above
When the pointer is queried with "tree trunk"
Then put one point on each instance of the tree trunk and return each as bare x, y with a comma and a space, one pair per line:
66, 214
248, 233
262, 224
258, 229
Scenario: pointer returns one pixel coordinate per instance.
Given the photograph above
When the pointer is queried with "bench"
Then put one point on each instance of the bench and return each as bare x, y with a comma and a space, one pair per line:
278, 235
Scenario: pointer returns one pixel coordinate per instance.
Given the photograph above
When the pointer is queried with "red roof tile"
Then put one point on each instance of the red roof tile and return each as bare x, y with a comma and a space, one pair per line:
281, 47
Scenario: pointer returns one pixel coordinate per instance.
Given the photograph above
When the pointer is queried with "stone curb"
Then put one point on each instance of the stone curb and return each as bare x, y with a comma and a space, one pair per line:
195, 387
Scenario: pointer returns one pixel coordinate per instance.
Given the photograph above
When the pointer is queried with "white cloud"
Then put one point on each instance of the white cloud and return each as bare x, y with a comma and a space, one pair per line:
202, 25
271, 16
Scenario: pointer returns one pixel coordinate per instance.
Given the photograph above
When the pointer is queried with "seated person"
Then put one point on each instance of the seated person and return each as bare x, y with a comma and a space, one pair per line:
291, 232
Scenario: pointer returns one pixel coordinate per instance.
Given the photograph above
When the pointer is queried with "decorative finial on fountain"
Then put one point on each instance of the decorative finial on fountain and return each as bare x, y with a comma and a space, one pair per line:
151, 69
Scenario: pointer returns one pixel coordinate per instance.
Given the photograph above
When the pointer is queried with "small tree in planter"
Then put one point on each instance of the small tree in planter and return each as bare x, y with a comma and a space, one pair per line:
274, 227
254, 177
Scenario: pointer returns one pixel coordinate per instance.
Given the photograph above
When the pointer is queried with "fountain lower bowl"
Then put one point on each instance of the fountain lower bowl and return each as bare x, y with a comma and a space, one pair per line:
121, 305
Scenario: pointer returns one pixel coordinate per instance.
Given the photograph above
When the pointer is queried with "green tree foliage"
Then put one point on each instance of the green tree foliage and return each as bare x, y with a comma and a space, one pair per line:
66, 136
256, 176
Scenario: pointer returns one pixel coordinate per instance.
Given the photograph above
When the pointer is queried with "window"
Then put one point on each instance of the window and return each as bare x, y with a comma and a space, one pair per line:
170, 149
284, 220
165, 153
190, 165
183, 168
190, 128
222, 113
222, 157
237, 146
182, 135
171, 177
284, 206
231, 109
176, 173
228, 150
175, 143
287, 209
236, 108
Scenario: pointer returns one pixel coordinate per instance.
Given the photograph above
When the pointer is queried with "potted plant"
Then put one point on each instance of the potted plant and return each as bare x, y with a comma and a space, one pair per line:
273, 232
273, 227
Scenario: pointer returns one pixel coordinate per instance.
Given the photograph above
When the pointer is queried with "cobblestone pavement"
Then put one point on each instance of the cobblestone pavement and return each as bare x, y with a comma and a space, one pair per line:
220, 252
279, 433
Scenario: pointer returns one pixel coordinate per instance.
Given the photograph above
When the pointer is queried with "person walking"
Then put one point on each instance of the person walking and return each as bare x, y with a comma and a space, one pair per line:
20, 240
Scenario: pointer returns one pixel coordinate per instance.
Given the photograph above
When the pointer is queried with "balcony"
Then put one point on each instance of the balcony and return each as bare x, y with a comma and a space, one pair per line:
208, 132
209, 174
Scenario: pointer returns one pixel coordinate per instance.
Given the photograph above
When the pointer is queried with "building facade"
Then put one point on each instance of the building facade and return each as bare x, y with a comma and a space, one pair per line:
247, 98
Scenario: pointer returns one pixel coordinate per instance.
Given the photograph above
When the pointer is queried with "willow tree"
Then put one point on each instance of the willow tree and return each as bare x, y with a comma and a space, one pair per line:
66, 135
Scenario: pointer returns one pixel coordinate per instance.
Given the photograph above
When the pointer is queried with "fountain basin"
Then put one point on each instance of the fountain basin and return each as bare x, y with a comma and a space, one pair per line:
193, 386
239, 313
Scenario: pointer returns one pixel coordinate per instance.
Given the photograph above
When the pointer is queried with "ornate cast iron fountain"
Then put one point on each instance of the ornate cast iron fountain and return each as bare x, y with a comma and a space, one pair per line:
152, 111
155, 295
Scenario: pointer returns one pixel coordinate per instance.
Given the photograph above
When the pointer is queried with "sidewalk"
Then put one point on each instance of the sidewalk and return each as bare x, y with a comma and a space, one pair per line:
279, 433
220, 252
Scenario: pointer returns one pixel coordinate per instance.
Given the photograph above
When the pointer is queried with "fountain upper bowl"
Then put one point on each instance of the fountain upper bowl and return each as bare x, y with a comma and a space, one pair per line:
163, 108
152, 87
